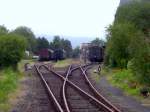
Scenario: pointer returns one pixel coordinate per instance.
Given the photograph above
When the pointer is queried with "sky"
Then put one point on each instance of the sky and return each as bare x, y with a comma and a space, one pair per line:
74, 18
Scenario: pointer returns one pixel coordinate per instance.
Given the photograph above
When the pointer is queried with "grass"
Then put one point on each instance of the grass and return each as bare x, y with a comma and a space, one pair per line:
125, 80
8, 84
63, 63
121, 78
95, 75
22, 63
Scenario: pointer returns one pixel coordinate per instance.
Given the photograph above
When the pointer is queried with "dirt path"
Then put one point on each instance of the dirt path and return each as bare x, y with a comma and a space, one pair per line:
117, 97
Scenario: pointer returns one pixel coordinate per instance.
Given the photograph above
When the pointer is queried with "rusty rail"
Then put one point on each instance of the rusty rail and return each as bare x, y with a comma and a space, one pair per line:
57, 105
109, 104
81, 90
64, 90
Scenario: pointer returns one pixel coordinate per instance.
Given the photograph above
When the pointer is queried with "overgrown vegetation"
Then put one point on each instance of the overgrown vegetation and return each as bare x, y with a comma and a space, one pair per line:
125, 80
8, 84
12, 50
128, 43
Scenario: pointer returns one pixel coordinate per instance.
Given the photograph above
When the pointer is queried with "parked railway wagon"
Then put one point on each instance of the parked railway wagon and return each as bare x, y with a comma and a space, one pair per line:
46, 54
59, 54
95, 53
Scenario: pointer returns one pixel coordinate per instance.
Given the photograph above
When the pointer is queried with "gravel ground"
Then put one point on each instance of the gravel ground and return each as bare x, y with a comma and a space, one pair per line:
34, 99
31, 102
118, 98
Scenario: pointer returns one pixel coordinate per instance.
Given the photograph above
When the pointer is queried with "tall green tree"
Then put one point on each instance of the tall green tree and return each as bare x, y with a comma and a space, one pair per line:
119, 42
42, 43
29, 36
61, 43
98, 42
139, 50
56, 43
3, 30
66, 45
128, 39
76, 52
137, 13
12, 49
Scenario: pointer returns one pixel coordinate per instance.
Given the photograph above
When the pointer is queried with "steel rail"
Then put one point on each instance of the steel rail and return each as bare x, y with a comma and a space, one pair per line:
97, 93
94, 89
82, 91
64, 90
49, 90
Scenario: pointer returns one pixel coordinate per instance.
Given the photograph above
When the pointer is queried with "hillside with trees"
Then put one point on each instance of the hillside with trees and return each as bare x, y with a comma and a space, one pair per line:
128, 41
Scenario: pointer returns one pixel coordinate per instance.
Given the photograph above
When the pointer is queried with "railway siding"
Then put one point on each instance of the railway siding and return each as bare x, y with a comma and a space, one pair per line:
88, 95
67, 92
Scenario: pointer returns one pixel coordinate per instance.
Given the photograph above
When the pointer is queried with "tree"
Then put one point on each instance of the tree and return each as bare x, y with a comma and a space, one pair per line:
29, 36
98, 42
3, 30
76, 52
137, 13
12, 48
66, 45
128, 39
117, 47
139, 50
56, 43
61, 43
42, 43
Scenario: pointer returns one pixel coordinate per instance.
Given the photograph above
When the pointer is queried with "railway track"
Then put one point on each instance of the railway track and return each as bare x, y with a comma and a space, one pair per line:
73, 92
96, 93
56, 105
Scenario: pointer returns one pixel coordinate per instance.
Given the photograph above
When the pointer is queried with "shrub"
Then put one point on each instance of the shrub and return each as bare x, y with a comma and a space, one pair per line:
12, 48
129, 40
145, 91
8, 84
119, 43
126, 80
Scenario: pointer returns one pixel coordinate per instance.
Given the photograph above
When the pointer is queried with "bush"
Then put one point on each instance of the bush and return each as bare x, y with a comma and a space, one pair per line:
8, 84
119, 43
129, 40
145, 91
137, 13
125, 80
140, 61
12, 48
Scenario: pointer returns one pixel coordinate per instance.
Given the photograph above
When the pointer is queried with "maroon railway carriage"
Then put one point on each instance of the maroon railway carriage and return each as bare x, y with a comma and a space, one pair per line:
45, 54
